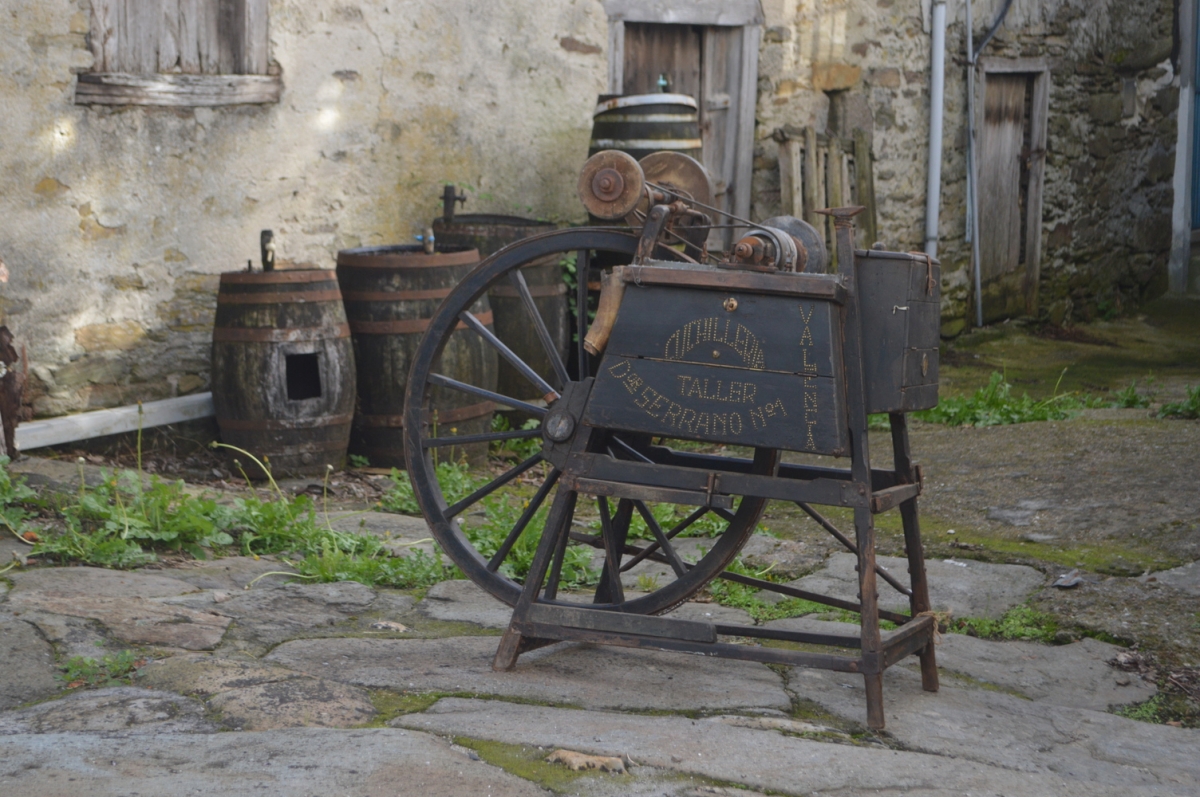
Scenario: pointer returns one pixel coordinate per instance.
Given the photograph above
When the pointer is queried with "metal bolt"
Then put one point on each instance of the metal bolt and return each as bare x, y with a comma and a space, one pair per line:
716, 354
730, 304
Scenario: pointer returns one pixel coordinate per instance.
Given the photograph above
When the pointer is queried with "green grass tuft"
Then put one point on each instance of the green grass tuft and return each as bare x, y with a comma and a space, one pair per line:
1189, 408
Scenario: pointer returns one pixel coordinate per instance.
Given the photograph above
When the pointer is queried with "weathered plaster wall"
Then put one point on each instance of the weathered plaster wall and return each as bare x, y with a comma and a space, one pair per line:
1107, 202
117, 221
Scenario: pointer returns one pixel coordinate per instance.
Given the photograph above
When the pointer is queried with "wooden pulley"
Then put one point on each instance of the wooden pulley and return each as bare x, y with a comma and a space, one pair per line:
684, 176
611, 184
681, 174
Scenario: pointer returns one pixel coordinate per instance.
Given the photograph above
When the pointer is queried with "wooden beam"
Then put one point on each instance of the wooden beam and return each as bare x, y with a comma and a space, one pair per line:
176, 90
687, 12
1039, 111
69, 428
747, 106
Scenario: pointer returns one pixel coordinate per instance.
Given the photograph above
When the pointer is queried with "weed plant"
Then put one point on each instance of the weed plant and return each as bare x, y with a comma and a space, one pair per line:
85, 671
1019, 622
1189, 408
995, 405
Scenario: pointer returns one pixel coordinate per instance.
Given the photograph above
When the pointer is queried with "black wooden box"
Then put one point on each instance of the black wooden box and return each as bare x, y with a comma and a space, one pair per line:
900, 305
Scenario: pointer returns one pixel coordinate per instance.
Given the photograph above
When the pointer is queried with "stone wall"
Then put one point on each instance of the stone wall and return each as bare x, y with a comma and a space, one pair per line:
117, 221
1106, 222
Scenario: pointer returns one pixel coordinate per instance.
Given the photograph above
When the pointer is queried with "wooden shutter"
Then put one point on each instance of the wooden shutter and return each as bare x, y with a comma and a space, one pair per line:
180, 53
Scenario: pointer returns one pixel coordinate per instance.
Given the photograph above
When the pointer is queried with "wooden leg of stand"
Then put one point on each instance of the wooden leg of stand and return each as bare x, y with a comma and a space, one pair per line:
509, 650
512, 644
874, 684
919, 602
872, 645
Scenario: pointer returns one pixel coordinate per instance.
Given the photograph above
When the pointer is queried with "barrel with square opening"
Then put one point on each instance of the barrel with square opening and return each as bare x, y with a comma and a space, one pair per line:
283, 369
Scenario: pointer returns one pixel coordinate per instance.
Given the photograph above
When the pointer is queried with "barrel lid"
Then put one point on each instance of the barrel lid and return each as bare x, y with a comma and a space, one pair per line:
490, 220
284, 277
408, 256
634, 100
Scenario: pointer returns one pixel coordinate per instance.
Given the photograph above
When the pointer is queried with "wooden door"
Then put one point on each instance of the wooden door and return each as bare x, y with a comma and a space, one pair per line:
705, 63
1003, 199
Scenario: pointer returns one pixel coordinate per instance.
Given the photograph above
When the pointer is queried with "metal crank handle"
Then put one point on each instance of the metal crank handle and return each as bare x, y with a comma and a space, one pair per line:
612, 289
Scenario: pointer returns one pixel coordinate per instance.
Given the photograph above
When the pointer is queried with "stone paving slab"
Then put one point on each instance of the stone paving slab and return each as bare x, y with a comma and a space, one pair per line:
307, 762
71, 636
136, 620
95, 582
759, 759
1006, 731
594, 677
1185, 578
120, 708
462, 601
27, 670
229, 573
1075, 675
965, 587
293, 703
207, 675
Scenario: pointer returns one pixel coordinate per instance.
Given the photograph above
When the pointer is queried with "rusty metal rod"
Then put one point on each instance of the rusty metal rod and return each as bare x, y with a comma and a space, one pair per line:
850, 546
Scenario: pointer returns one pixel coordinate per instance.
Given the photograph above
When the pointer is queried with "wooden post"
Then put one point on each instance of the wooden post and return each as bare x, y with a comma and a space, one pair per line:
811, 201
864, 179
791, 178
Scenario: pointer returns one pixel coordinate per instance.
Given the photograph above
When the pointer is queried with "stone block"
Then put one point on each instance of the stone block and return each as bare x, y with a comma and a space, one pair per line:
835, 76
887, 77
114, 336
1105, 108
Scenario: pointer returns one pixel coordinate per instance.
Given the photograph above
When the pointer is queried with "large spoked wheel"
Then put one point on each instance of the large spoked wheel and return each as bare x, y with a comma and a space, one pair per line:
489, 559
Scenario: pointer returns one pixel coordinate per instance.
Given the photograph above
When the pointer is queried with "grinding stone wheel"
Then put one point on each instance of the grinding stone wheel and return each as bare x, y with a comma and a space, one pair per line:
610, 184
816, 259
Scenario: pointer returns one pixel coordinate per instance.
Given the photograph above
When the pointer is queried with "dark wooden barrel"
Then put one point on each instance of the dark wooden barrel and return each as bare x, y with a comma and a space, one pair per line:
283, 369
491, 233
643, 123
391, 292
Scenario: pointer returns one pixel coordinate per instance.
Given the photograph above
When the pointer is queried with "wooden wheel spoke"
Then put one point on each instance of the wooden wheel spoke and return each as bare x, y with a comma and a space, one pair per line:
507, 401
489, 437
541, 384
562, 533
582, 267
675, 530
506, 547
631, 450
492, 486
677, 564
539, 326
614, 531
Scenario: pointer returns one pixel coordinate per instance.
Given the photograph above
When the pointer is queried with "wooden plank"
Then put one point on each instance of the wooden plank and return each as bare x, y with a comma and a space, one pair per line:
1002, 138
619, 623
748, 93
70, 428
883, 500
191, 15
257, 37
104, 24
167, 37
616, 55
645, 492
822, 287
652, 50
209, 32
864, 177
687, 12
791, 178
720, 65
176, 90
1040, 108
231, 36
138, 52
811, 200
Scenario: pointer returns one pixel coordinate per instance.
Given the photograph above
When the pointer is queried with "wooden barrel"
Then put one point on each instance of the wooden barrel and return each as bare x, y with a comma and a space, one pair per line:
391, 292
643, 123
491, 233
283, 369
